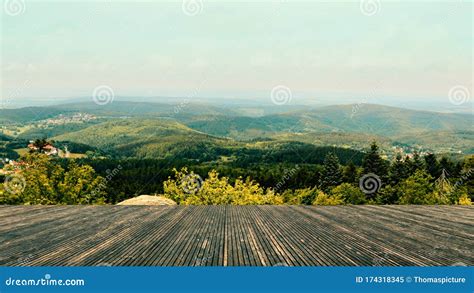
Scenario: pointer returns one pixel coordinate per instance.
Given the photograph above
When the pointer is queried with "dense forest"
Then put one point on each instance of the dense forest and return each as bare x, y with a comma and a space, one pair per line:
290, 174
89, 154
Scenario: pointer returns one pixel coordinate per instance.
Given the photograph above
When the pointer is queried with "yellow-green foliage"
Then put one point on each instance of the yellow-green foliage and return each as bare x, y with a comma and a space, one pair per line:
349, 194
188, 189
41, 181
327, 200
304, 196
418, 189
465, 200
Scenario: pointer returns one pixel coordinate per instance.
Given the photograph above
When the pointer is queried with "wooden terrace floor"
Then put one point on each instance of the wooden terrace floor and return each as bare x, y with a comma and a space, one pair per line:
236, 235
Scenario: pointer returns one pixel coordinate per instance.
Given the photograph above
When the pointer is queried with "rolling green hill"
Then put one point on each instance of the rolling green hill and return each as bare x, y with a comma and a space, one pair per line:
368, 119
384, 120
443, 141
144, 129
52, 131
29, 114
146, 109
163, 138
115, 109
146, 138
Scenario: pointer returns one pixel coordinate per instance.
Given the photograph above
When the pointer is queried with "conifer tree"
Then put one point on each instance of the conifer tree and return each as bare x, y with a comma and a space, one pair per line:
350, 173
432, 165
373, 162
331, 175
417, 163
398, 170
450, 167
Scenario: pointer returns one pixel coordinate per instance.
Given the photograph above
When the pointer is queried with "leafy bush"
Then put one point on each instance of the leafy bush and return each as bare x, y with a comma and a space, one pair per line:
188, 188
349, 194
304, 196
327, 200
39, 180
464, 200
418, 189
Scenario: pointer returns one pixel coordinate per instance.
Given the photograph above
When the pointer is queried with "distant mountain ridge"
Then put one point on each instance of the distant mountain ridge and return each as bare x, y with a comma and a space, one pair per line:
373, 119
170, 125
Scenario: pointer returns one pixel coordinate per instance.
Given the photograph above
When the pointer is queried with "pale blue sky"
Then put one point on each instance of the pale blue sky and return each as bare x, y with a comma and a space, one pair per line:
317, 49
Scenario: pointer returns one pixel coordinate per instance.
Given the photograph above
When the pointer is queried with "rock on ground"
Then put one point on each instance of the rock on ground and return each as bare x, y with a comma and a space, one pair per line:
148, 200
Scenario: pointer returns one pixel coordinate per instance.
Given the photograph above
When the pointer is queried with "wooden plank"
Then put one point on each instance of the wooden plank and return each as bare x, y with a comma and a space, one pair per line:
236, 235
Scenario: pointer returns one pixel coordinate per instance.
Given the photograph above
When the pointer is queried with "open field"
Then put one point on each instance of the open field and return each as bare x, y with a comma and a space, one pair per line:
236, 235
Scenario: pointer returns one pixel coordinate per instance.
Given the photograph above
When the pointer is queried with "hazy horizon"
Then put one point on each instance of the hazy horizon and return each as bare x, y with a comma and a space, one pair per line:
414, 55
434, 106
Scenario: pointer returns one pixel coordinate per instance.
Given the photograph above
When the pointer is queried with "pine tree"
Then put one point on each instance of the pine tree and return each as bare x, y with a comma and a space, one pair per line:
331, 175
350, 173
388, 195
443, 188
398, 170
467, 177
449, 166
432, 166
373, 163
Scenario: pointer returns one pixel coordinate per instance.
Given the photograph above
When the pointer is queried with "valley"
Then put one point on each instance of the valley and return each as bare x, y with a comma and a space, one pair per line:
347, 126
284, 151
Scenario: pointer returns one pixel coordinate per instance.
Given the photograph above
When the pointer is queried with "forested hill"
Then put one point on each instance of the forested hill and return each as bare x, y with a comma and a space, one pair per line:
370, 119
163, 138
349, 126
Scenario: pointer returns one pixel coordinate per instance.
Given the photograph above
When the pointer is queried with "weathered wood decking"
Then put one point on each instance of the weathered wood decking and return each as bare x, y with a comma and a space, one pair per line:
236, 235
